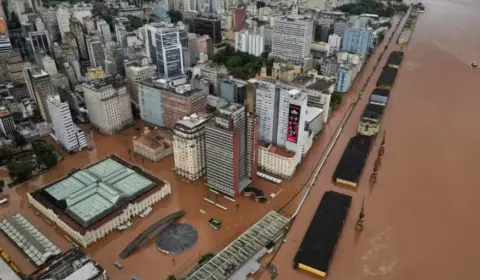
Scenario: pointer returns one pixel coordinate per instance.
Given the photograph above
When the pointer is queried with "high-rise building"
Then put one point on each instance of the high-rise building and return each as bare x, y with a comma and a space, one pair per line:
210, 26
251, 43
162, 104
189, 147
239, 18
66, 133
334, 42
14, 67
135, 73
95, 50
121, 24
233, 90
38, 42
108, 104
164, 46
357, 40
104, 29
345, 77
192, 47
281, 111
77, 29
227, 150
7, 125
291, 39
63, 19
42, 87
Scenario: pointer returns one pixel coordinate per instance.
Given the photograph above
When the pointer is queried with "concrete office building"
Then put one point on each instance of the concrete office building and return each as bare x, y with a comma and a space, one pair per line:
164, 47
291, 39
251, 43
192, 47
104, 29
65, 132
7, 125
49, 65
108, 104
135, 73
14, 65
163, 104
319, 92
329, 67
63, 19
38, 42
189, 147
208, 25
266, 109
77, 29
42, 87
233, 90
213, 74
357, 40
226, 150
95, 50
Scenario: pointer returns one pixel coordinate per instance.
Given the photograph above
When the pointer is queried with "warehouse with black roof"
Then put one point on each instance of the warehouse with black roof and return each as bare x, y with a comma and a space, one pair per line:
379, 96
395, 59
387, 78
318, 245
351, 163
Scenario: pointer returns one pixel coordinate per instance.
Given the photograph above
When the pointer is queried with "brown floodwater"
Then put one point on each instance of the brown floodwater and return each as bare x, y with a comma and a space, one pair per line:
421, 214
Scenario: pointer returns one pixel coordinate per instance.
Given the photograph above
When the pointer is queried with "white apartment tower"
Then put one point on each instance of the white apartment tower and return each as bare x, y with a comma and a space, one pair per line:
251, 43
66, 133
63, 19
292, 38
95, 51
104, 29
189, 147
108, 105
266, 109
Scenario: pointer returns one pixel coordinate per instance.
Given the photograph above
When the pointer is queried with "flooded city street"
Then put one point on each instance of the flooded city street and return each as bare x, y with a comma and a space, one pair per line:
420, 215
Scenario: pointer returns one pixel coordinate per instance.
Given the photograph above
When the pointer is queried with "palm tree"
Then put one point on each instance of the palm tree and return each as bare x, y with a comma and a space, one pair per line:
171, 277
135, 155
129, 151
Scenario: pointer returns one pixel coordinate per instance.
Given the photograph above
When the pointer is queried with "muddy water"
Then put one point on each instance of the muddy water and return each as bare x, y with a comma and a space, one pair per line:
421, 214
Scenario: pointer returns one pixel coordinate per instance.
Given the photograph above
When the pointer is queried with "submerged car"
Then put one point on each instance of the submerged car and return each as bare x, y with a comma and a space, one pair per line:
474, 65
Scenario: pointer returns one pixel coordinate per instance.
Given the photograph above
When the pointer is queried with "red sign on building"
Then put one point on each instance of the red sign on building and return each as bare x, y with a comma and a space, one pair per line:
293, 123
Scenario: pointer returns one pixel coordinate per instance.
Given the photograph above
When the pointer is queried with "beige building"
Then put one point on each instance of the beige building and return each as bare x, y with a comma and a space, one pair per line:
276, 160
189, 147
92, 202
286, 71
14, 65
152, 145
137, 72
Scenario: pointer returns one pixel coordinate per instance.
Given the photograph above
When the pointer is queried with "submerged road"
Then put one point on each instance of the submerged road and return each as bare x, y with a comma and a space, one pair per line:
420, 215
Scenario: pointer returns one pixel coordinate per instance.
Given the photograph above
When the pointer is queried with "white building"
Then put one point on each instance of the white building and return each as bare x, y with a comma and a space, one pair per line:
108, 105
104, 29
63, 19
49, 65
334, 41
292, 38
251, 43
276, 160
189, 147
66, 133
266, 100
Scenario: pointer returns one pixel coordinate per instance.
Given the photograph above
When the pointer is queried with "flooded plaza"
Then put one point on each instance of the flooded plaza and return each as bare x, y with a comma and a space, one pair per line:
421, 214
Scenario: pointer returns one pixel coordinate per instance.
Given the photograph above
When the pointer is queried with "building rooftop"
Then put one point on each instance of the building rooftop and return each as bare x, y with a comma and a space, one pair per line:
192, 121
164, 84
152, 139
37, 72
90, 196
4, 112
312, 113
71, 265
276, 150
32, 242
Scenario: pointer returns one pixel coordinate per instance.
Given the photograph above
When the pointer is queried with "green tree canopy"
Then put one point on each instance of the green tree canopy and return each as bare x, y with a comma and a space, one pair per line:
20, 171
175, 16
5, 156
46, 155
137, 22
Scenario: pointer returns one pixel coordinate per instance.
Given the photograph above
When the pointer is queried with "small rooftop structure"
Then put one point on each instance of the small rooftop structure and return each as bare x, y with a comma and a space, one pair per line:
32, 242
71, 265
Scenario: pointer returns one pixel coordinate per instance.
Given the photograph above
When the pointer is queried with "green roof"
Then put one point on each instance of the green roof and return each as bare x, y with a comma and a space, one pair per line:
92, 193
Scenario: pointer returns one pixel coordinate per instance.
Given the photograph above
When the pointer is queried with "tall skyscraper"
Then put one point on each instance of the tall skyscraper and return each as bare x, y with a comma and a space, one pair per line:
38, 42
63, 19
165, 48
227, 147
77, 30
281, 111
291, 39
104, 29
66, 133
95, 50
208, 25
136, 73
189, 147
42, 87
